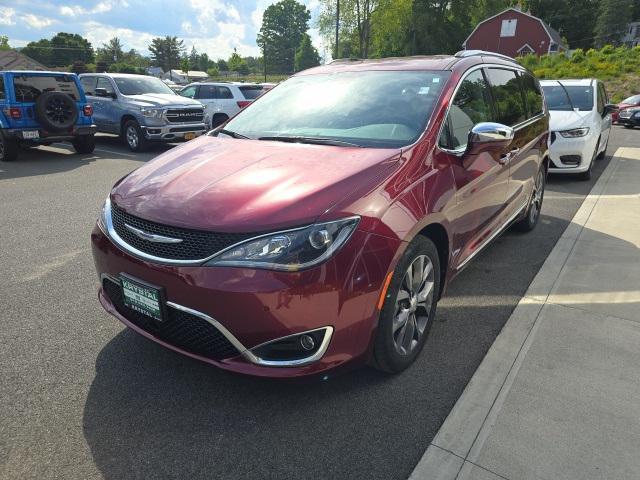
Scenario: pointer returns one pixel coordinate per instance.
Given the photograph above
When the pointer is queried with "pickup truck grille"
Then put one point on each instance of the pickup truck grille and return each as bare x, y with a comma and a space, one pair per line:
185, 115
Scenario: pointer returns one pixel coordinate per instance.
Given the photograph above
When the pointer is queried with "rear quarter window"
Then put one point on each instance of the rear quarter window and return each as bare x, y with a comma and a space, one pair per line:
29, 87
507, 96
532, 95
252, 92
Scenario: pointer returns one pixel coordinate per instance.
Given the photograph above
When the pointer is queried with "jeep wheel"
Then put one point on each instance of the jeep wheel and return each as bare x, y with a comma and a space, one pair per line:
8, 149
84, 144
134, 136
56, 111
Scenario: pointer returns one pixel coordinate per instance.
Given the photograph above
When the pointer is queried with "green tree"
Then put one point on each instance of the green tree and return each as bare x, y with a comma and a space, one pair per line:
184, 65
194, 58
79, 67
283, 25
213, 72
611, 24
110, 52
222, 65
166, 52
306, 55
4, 43
238, 64
62, 50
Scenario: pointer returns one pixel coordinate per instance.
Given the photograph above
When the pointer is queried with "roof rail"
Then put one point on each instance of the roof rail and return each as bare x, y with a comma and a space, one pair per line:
476, 53
345, 60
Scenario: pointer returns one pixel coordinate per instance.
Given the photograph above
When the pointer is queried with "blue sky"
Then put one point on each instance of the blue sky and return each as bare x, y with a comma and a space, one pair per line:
213, 26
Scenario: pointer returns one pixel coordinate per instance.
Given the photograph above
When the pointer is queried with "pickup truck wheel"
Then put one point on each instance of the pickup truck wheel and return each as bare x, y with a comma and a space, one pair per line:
530, 221
409, 307
134, 136
84, 144
218, 119
8, 149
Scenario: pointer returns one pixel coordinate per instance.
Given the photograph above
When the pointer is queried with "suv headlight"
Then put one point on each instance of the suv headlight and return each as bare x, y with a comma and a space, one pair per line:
576, 132
151, 112
102, 218
290, 250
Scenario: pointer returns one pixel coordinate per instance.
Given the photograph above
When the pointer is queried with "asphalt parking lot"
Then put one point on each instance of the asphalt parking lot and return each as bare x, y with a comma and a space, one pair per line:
83, 397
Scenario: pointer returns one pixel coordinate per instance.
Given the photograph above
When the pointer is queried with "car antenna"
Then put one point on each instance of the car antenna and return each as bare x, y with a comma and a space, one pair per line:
568, 96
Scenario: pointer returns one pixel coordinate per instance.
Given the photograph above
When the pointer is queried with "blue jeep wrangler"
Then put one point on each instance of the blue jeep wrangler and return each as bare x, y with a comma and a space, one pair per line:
39, 108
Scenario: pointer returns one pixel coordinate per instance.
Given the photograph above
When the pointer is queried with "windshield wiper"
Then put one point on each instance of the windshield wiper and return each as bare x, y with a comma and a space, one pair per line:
229, 133
568, 96
310, 140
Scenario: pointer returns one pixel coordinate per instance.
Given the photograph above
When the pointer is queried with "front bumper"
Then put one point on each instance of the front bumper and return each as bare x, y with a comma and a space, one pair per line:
171, 132
258, 306
571, 155
47, 137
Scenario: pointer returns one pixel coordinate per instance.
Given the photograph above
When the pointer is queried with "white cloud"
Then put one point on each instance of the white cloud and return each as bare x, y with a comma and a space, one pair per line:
187, 27
6, 16
34, 21
230, 36
101, 7
98, 33
210, 12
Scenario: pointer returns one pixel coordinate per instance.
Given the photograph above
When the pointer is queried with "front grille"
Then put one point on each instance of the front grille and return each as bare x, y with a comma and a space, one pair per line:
625, 114
184, 115
180, 329
186, 129
195, 245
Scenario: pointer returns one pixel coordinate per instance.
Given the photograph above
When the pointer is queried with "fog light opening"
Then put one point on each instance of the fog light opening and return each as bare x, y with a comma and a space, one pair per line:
307, 342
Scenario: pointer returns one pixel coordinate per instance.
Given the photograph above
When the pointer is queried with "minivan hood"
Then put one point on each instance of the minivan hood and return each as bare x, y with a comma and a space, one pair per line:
233, 185
162, 100
561, 120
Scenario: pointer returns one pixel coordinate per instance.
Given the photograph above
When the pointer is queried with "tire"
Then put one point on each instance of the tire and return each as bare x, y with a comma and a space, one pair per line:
134, 137
628, 126
218, 119
56, 111
405, 318
602, 154
8, 149
84, 144
586, 176
532, 216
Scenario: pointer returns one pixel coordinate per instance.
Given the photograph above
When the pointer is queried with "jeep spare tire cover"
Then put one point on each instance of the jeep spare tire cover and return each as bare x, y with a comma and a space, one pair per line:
56, 111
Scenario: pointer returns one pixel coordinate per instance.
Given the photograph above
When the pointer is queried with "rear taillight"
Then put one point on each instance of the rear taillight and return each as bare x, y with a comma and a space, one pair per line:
244, 103
15, 113
88, 110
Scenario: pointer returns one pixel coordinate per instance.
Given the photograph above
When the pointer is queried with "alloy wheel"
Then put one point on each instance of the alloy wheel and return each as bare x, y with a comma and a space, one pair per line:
132, 136
413, 305
58, 110
538, 195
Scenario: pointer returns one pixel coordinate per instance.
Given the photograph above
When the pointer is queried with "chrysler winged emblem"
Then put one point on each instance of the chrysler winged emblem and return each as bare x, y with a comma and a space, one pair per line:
151, 237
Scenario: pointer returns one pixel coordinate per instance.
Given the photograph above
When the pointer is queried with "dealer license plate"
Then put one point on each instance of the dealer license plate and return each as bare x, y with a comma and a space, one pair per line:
141, 298
30, 134
189, 136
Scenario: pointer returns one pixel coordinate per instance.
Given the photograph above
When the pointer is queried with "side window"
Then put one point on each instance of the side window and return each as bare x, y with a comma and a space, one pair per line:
605, 95
602, 98
88, 85
189, 92
104, 82
532, 94
507, 95
207, 92
2, 95
470, 106
224, 93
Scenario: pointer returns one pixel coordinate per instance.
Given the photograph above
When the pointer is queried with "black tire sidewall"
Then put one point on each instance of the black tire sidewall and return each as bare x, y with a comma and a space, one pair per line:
84, 144
385, 355
10, 149
218, 119
40, 108
526, 225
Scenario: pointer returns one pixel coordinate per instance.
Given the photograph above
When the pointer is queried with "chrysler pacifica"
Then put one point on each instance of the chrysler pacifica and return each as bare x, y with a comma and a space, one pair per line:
319, 227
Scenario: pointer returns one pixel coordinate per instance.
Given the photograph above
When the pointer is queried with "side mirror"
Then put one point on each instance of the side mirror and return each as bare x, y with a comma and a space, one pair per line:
102, 92
488, 136
609, 108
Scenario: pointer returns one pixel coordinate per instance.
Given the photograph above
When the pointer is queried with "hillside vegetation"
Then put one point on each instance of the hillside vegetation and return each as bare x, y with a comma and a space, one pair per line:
618, 67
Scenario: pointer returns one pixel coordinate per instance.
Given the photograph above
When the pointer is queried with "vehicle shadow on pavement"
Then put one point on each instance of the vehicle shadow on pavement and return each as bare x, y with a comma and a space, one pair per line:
44, 161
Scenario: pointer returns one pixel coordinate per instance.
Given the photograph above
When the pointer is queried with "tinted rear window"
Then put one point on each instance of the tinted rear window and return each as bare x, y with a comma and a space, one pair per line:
29, 87
532, 94
251, 93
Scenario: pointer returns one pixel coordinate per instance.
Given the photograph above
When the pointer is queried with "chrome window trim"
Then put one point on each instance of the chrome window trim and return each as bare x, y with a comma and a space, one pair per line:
504, 226
245, 352
518, 126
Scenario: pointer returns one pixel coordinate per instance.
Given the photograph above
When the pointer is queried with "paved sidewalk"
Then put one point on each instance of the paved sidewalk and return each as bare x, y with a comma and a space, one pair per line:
558, 394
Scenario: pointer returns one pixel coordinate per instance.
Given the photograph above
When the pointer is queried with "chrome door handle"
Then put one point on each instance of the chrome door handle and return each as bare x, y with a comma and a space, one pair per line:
506, 157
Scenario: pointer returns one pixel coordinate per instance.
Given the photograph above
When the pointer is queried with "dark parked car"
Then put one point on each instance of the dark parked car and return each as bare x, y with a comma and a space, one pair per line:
632, 101
629, 117
319, 227
39, 108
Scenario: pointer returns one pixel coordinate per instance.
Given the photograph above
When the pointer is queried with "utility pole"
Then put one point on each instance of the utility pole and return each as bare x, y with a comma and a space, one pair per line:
337, 26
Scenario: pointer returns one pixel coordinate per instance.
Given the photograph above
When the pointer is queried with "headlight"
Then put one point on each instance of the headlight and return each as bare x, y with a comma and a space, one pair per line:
151, 112
576, 132
102, 218
291, 250
637, 114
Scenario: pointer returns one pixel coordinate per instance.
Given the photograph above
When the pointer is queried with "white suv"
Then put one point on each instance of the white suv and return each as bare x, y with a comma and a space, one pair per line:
579, 125
222, 100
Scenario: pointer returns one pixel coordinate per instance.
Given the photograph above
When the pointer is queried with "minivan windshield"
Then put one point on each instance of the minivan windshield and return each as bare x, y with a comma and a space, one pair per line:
141, 85
581, 97
384, 109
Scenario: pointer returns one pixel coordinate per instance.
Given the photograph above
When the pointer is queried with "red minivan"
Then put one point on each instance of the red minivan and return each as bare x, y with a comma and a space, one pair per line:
319, 227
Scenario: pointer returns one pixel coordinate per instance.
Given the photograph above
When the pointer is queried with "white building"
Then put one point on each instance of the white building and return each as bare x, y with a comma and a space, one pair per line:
181, 77
632, 37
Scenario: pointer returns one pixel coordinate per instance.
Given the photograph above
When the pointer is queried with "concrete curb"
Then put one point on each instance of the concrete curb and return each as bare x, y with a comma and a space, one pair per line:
457, 444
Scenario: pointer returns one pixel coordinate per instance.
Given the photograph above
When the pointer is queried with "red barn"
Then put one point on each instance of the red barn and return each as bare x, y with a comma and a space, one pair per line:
514, 33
